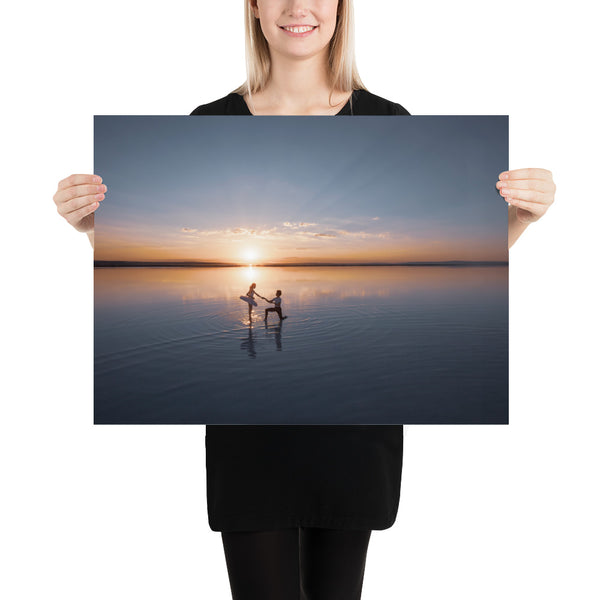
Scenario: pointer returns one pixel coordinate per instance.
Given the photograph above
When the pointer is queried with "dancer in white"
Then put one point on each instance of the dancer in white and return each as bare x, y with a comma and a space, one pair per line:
249, 298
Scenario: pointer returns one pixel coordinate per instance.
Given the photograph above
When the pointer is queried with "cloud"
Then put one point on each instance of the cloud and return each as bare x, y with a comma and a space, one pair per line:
298, 225
292, 228
234, 232
363, 235
291, 231
343, 233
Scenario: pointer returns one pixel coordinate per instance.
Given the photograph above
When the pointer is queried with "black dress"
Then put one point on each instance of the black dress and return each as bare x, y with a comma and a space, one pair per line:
262, 477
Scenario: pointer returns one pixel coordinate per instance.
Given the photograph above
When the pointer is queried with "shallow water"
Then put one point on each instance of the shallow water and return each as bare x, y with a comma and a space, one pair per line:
361, 345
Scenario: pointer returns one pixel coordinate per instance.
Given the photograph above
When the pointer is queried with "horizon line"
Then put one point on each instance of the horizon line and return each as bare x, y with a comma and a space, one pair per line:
208, 264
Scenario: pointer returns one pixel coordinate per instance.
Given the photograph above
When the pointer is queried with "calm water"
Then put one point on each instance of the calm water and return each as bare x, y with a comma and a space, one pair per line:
361, 345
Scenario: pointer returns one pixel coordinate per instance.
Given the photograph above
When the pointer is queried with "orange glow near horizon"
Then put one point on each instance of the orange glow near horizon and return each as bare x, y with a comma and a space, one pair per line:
292, 248
415, 253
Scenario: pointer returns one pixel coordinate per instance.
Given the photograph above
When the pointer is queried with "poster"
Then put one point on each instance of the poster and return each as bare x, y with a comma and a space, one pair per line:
301, 270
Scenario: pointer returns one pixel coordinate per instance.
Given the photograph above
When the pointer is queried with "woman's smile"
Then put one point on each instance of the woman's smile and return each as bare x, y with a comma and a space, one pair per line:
298, 30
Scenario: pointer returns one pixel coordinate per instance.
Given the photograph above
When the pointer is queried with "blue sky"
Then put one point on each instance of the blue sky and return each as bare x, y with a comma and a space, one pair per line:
285, 189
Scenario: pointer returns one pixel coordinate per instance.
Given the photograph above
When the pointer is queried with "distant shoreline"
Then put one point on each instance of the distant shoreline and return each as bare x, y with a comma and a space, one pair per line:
200, 264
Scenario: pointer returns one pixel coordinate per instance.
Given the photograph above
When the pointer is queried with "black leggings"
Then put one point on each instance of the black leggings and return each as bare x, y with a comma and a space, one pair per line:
296, 564
276, 309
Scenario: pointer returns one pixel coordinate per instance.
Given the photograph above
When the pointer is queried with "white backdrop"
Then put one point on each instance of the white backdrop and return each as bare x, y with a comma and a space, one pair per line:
120, 512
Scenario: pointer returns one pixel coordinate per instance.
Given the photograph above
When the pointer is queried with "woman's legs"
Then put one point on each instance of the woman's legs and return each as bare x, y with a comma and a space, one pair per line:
263, 565
332, 563
290, 564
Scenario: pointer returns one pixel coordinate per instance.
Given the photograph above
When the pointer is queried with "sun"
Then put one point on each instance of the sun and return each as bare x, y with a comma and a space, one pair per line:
250, 255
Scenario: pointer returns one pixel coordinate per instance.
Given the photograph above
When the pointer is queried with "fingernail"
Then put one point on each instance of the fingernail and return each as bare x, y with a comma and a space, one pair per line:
97, 179
504, 175
99, 196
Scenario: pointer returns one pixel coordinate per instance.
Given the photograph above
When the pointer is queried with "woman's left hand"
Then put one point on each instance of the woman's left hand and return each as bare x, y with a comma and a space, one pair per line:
530, 191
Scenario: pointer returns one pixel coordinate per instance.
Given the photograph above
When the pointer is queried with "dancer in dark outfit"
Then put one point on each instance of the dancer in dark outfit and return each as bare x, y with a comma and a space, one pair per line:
296, 504
277, 308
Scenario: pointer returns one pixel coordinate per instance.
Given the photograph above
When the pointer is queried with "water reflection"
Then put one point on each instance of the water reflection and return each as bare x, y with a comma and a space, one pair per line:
152, 285
362, 345
274, 331
248, 344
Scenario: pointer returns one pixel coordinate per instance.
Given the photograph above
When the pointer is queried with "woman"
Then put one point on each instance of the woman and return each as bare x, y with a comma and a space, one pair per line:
250, 294
296, 504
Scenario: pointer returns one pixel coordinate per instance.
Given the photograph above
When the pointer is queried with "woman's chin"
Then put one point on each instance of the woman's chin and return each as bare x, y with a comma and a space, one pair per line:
299, 53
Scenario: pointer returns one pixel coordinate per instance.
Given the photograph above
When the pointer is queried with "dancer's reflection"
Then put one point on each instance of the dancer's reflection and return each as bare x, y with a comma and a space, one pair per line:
275, 331
249, 344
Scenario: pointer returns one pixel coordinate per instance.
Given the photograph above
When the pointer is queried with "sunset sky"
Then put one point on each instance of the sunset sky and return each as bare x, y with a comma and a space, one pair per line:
259, 190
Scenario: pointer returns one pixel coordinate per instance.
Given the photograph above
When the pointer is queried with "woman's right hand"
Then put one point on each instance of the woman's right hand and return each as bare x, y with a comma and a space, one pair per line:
76, 199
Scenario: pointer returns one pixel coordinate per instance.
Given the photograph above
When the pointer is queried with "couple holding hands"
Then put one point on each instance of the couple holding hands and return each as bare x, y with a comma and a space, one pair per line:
276, 301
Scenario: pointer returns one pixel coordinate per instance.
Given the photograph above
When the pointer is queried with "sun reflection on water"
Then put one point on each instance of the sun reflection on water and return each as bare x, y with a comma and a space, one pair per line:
250, 273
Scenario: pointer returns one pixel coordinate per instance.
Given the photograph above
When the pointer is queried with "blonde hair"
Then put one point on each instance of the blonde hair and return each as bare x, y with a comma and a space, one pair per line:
342, 63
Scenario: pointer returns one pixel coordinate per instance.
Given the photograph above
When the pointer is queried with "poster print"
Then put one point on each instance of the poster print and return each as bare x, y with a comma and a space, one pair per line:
301, 270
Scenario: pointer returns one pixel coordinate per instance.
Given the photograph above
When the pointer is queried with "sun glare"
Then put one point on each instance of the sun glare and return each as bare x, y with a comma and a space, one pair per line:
250, 255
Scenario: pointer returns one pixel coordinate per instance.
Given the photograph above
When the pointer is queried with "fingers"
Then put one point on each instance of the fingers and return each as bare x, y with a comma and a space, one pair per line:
523, 194
74, 218
532, 207
70, 206
78, 180
526, 174
529, 190
531, 200
74, 198
537, 185
79, 191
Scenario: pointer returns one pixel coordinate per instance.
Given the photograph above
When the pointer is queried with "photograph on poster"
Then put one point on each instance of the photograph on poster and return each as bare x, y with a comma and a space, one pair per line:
301, 270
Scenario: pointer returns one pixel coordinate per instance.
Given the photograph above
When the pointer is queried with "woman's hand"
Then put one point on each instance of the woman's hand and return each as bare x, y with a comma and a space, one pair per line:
530, 191
76, 199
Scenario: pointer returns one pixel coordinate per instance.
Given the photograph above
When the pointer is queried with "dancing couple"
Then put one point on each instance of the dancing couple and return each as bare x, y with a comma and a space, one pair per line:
276, 301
